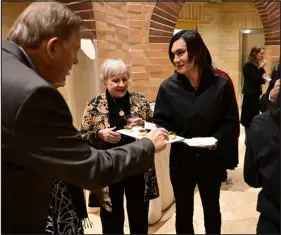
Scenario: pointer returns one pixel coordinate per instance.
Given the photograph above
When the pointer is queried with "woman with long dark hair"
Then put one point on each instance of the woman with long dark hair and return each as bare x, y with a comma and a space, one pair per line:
262, 167
196, 102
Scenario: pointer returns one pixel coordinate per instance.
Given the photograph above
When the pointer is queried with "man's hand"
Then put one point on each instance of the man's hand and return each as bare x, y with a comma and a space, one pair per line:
275, 91
109, 135
157, 137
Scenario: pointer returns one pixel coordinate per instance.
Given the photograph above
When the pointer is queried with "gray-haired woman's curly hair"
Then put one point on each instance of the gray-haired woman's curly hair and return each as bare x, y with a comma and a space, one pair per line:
112, 67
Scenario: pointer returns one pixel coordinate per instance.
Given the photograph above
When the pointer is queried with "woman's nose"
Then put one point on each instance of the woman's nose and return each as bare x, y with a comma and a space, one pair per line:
122, 84
176, 59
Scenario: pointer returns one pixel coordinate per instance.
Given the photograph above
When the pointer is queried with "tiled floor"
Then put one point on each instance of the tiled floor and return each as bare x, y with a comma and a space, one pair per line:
238, 207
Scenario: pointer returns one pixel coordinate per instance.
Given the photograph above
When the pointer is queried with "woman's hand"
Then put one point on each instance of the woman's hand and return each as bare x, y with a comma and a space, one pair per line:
109, 135
263, 63
136, 121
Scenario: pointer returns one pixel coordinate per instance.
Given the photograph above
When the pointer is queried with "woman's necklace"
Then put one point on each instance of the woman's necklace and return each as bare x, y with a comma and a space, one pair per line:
121, 113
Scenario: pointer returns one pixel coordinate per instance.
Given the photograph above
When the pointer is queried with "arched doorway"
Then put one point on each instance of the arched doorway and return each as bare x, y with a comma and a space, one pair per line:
269, 13
220, 25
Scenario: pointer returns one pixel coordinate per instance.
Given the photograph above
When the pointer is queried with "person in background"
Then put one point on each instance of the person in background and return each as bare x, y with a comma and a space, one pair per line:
39, 141
233, 154
262, 166
274, 93
196, 102
253, 72
104, 114
266, 99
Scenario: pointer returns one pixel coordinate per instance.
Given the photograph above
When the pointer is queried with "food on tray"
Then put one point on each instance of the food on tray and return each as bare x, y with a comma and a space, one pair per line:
128, 128
172, 135
142, 132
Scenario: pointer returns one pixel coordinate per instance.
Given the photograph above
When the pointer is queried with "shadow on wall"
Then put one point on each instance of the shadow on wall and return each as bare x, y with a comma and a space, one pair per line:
83, 83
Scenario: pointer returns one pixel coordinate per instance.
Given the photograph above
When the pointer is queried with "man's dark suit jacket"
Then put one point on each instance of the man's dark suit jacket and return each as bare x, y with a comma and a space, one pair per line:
40, 142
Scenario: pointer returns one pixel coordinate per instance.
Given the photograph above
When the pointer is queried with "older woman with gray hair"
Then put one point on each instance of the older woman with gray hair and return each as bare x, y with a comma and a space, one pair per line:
104, 115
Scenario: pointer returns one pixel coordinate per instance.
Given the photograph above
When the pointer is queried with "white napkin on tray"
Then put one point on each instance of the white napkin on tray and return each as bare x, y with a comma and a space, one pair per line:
201, 141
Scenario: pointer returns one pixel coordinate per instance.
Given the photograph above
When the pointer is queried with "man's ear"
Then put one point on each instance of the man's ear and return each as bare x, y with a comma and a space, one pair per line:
52, 47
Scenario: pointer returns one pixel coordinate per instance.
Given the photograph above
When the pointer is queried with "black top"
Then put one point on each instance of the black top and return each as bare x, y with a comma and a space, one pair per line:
208, 111
252, 79
262, 164
115, 105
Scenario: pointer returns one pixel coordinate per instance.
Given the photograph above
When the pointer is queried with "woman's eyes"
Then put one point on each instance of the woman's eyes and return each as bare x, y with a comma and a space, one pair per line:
118, 80
179, 53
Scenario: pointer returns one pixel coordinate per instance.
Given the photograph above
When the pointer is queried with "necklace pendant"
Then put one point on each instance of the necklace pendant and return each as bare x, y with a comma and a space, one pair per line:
121, 113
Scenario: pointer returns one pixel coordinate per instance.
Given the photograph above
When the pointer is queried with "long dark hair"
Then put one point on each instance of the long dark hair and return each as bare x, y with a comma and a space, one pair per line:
195, 46
253, 53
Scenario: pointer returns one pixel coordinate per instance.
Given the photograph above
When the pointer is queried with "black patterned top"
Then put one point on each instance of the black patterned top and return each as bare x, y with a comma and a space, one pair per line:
62, 217
96, 117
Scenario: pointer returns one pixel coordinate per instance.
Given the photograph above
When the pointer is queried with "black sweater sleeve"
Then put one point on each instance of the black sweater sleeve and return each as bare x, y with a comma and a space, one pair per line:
162, 113
230, 120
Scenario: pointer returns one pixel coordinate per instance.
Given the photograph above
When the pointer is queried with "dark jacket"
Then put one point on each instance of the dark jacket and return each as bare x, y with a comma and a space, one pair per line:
234, 149
262, 164
209, 111
252, 91
252, 79
39, 142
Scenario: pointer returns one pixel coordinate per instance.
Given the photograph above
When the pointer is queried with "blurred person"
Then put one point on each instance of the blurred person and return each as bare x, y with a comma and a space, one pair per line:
266, 99
262, 166
253, 72
274, 93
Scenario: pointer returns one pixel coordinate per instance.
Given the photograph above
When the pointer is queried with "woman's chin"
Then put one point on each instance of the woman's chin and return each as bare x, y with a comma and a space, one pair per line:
181, 71
119, 94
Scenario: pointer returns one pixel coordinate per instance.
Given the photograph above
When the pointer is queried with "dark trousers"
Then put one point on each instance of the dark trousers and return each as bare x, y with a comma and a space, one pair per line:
137, 209
246, 134
224, 175
184, 180
250, 108
267, 226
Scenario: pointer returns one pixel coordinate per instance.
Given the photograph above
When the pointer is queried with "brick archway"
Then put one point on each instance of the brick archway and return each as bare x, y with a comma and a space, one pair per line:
165, 15
85, 11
